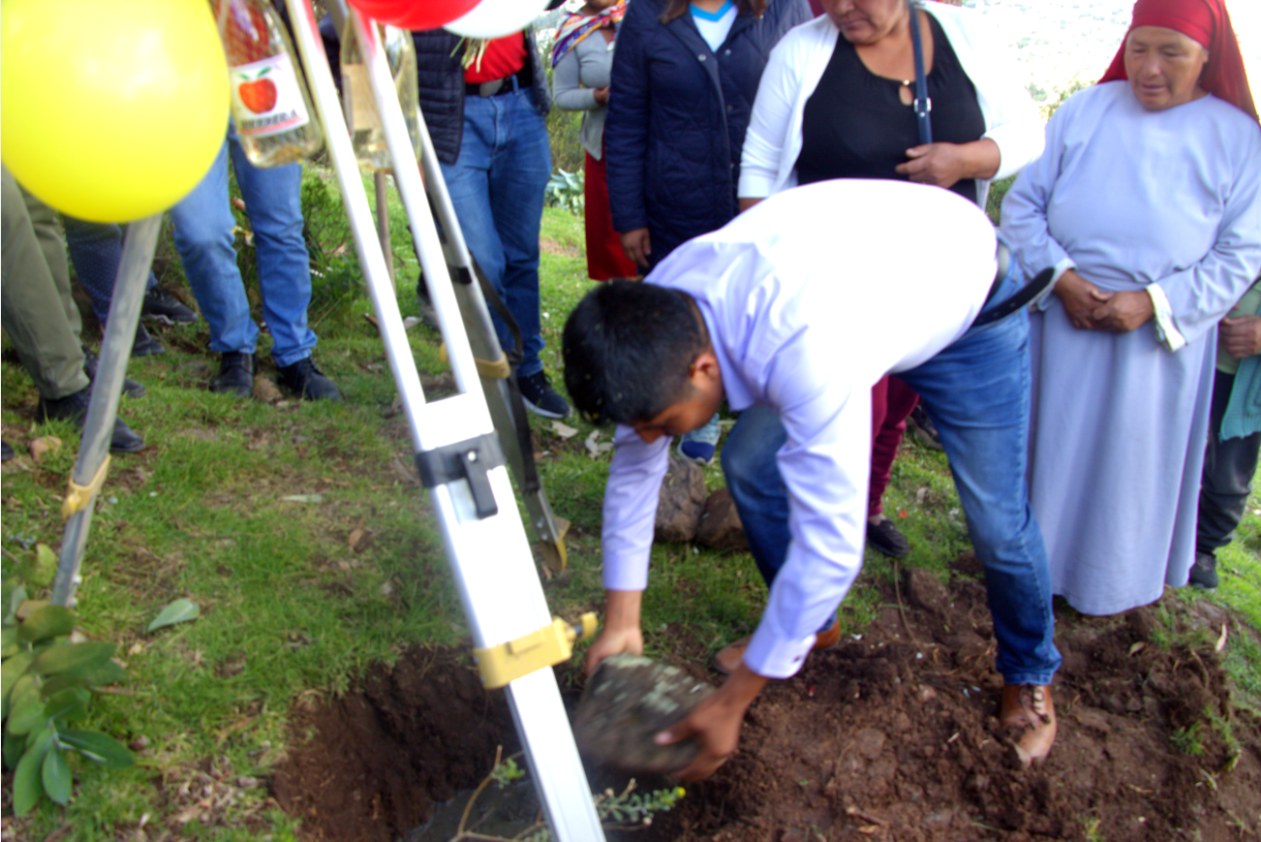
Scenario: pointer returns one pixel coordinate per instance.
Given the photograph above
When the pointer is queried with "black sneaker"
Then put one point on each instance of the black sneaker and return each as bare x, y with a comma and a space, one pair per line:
886, 538
131, 388
236, 374
144, 345
305, 379
1204, 572
74, 408
6, 452
161, 306
540, 398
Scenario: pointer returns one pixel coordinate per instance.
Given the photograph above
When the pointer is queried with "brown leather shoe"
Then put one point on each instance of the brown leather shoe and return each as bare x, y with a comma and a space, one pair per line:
729, 657
1029, 712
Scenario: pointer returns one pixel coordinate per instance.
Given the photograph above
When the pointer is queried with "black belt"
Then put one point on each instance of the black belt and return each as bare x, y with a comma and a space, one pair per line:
495, 87
1020, 298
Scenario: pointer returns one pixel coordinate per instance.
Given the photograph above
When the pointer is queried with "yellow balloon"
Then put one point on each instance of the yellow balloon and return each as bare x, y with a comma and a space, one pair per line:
111, 110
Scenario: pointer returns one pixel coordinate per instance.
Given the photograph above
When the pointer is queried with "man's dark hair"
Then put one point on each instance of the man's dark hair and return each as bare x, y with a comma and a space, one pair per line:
628, 349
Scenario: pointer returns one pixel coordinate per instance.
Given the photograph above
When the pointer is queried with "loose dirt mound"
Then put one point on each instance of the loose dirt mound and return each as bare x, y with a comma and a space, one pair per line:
892, 736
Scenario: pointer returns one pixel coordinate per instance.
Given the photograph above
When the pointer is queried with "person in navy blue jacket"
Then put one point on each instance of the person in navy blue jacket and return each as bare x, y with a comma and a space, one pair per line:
685, 75
678, 110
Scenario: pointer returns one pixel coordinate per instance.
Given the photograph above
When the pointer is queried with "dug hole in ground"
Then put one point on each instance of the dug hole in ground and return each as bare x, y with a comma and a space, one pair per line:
892, 735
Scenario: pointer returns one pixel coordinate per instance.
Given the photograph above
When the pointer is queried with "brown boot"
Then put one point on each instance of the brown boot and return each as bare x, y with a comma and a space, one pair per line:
730, 657
1029, 712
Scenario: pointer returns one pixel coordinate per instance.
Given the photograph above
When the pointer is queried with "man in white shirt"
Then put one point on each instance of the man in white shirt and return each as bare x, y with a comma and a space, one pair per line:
797, 307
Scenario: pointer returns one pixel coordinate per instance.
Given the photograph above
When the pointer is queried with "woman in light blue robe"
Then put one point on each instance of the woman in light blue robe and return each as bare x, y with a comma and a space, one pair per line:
1147, 202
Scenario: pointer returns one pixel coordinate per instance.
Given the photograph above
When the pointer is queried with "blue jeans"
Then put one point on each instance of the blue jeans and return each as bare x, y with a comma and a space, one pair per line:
496, 187
96, 250
203, 237
977, 393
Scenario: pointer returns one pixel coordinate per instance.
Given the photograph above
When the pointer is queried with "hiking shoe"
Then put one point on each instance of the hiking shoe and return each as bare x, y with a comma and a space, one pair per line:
161, 306
74, 408
700, 445
131, 388
886, 538
144, 345
1204, 572
236, 374
540, 398
305, 379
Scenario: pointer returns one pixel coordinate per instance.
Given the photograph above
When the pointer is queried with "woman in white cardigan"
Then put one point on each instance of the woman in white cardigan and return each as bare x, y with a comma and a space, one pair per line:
1012, 127
835, 102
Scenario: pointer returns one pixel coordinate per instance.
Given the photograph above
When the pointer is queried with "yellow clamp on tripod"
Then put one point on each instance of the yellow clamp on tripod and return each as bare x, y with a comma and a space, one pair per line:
79, 497
502, 664
492, 369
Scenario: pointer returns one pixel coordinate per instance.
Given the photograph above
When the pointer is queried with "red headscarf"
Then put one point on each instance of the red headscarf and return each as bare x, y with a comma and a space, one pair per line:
1207, 22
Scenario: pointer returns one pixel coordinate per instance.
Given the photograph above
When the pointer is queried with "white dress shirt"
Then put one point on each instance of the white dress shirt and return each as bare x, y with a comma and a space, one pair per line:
810, 298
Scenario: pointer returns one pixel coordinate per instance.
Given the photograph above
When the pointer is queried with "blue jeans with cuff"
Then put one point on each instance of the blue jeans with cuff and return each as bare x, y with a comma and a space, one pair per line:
977, 393
496, 187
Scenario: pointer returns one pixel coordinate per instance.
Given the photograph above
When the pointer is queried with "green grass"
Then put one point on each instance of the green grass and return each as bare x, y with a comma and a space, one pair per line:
299, 598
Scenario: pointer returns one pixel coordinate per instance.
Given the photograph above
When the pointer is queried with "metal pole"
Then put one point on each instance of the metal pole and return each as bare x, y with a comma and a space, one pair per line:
98, 427
379, 182
490, 557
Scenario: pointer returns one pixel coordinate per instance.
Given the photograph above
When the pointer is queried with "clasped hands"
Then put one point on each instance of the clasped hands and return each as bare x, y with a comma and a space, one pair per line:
1090, 308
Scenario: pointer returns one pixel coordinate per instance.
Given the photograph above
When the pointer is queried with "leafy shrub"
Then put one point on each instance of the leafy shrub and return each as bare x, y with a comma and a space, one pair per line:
564, 191
47, 685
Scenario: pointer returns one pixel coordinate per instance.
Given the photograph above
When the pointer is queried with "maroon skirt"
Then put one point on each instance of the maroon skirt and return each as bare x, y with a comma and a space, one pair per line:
606, 259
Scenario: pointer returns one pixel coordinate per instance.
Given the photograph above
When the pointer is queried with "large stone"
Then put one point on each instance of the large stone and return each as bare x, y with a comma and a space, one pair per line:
720, 527
681, 502
925, 591
625, 704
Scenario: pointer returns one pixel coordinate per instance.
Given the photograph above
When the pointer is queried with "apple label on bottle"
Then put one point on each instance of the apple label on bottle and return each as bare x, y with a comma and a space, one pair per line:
266, 99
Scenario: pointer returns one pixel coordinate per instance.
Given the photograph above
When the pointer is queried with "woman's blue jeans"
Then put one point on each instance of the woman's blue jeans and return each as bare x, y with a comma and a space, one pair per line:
977, 393
497, 187
204, 239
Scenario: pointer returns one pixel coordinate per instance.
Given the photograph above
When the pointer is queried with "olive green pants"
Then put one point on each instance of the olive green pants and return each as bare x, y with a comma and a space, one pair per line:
36, 307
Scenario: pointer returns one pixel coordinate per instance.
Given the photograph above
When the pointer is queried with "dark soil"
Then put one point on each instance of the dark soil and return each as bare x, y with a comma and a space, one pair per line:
890, 736
382, 757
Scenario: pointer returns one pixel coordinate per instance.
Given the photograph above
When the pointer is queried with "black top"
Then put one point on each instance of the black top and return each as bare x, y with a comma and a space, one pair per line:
855, 124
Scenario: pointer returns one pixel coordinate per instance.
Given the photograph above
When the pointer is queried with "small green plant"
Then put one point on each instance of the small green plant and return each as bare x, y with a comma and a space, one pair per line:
625, 809
1091, 830
1187, 740
47, 685
564, 191
629, 807
506, 773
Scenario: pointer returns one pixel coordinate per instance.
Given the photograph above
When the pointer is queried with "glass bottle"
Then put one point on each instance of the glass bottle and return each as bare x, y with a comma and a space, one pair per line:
270, 104
366, 133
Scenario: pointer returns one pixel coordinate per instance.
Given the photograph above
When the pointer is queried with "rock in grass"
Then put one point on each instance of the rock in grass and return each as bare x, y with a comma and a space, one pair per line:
681, 500
720, 527
625, 704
